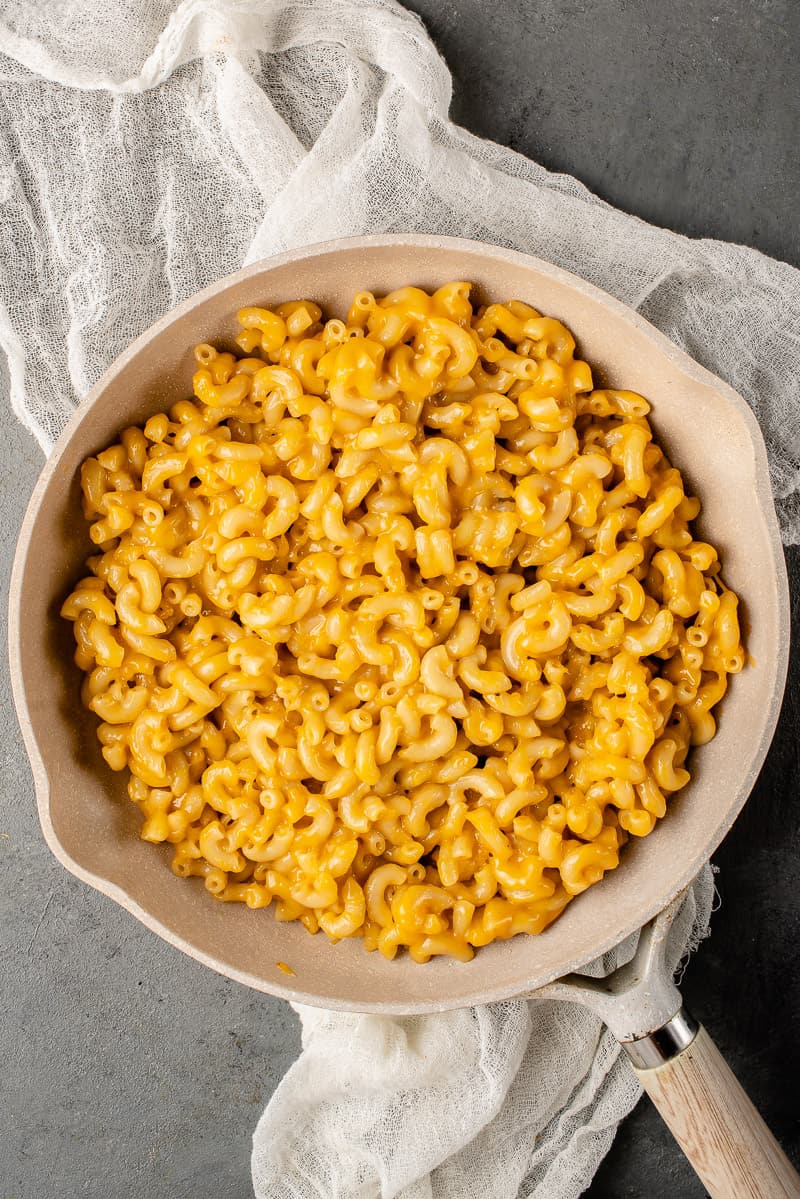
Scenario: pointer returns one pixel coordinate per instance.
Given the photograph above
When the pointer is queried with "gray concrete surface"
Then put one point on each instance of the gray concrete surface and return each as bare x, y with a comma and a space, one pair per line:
128, 1071
685, 112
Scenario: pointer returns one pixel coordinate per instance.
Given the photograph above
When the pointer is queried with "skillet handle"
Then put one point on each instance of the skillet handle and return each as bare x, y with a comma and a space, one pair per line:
700, 1099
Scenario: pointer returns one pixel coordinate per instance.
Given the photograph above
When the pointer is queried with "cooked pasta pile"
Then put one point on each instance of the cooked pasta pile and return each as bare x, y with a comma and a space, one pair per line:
399, 624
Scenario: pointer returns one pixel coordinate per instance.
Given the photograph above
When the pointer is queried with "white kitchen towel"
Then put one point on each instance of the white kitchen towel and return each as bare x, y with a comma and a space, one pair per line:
512, 1099
149, 147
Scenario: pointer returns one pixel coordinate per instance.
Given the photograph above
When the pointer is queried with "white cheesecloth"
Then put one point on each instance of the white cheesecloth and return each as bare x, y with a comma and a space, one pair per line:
149, 147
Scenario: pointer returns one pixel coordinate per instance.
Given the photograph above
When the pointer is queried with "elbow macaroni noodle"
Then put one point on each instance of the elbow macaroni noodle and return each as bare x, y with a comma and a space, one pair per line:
399, 624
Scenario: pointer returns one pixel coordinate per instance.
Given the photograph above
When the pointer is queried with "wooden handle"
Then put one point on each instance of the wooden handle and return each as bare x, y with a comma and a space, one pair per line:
701, 1101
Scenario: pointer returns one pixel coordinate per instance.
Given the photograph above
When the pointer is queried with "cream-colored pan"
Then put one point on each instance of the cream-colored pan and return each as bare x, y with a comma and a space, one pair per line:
92, 827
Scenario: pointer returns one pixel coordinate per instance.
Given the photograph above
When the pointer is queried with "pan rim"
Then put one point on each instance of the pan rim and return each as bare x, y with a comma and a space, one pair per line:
763, 499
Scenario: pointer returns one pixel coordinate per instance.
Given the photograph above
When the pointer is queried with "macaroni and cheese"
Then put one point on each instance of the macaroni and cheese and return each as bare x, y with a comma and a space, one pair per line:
399, 624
